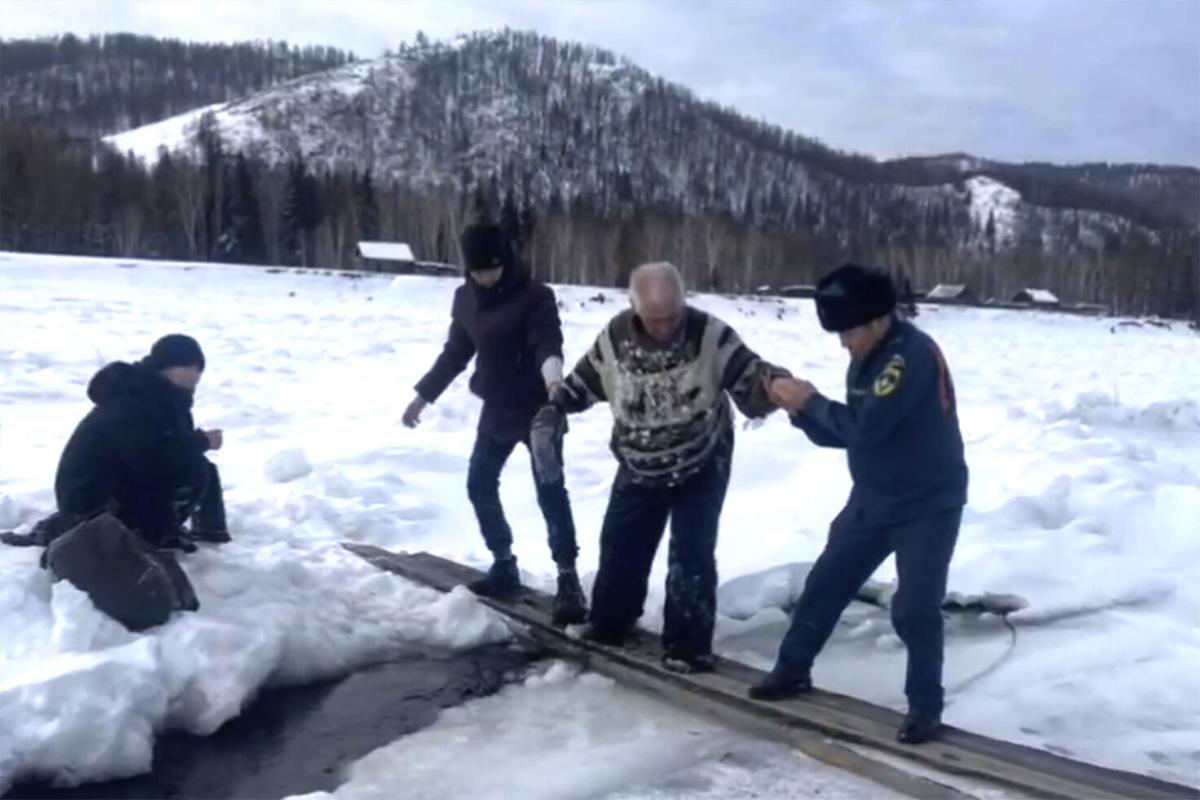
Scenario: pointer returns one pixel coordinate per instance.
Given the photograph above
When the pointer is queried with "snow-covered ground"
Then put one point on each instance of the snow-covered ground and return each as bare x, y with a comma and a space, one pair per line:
560, 735
1083, 443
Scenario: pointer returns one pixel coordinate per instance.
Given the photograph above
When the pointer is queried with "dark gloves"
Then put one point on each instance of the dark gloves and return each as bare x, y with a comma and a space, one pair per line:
559, 397
545, 443
775, 371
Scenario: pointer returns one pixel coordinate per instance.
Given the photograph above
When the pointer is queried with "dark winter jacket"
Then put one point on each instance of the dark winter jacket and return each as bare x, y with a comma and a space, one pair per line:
134, 453
670, 403
510, 329
899, 427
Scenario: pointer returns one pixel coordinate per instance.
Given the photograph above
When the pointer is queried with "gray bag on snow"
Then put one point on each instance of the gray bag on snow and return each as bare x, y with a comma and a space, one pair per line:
126, 577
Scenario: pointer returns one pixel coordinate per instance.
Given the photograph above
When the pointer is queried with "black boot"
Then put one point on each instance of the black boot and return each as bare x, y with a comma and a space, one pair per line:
777, 687
686, 664
570, 606
178, 541
502, 581
919, 726
210, 536
208, 521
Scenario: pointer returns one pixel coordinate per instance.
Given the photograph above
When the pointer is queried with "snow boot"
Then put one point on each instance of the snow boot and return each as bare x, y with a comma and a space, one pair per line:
919, 727
208, 520
502, 581
180, 540
44, 532
776, 687
20, 539
570, 606
210, 536
689, 664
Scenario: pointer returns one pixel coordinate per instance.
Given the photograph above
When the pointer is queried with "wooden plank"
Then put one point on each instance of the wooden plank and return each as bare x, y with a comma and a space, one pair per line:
542, 636
1028, 770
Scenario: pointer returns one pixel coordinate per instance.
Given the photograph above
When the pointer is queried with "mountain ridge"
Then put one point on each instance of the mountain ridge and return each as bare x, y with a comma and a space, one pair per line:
272, 125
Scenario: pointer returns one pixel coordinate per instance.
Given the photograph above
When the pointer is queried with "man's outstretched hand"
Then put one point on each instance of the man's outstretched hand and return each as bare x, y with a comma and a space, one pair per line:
412, 414
790, 394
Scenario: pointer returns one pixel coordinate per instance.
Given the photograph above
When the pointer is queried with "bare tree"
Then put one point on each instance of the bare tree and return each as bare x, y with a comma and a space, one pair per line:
189, 205
272, 193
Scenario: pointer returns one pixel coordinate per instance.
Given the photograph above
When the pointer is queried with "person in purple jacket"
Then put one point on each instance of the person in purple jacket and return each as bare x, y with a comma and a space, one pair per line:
508, 322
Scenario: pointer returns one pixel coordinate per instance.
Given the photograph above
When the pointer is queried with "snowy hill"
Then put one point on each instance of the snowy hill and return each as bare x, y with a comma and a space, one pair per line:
111, 82
563, 124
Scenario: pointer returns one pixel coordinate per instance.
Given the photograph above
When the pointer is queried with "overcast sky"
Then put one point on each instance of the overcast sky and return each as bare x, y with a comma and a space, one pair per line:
1056, 80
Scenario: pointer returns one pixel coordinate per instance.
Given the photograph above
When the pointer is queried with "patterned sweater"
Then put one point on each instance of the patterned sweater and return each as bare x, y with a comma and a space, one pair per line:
670, 402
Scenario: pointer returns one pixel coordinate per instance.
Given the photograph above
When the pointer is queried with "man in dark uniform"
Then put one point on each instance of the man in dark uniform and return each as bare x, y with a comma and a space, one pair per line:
900, 430
138, 454
509, 323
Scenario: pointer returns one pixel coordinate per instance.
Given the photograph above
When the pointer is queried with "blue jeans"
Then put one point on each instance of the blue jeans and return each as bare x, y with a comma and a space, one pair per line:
633, 527
923, 548
483, 488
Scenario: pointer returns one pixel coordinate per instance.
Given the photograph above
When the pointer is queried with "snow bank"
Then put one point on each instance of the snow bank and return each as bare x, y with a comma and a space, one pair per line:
81, 698
1097, 408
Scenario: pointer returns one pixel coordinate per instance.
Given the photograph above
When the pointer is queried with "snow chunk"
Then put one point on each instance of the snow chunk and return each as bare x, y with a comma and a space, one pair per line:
288, 465
779, 587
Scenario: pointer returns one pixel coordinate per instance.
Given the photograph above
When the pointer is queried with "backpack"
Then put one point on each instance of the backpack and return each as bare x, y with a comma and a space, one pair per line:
127, 578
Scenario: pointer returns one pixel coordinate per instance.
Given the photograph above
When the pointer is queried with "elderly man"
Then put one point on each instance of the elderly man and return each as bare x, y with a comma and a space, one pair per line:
899, 427
667, 371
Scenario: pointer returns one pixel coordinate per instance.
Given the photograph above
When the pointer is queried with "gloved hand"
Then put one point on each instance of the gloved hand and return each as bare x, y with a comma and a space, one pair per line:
545, 443
412, 414
775, 371
558, 394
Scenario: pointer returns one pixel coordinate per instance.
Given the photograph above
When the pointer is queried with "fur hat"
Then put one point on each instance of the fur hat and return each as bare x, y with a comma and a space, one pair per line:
853, 295
175, 350
485, 246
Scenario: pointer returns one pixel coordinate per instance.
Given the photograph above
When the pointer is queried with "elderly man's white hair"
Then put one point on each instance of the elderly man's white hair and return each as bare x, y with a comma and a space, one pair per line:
656, 283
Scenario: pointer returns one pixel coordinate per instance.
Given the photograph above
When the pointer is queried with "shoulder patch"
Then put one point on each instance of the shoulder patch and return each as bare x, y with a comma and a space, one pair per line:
888, 380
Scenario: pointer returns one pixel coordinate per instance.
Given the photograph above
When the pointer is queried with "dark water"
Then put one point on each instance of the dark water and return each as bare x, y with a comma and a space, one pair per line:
297, 740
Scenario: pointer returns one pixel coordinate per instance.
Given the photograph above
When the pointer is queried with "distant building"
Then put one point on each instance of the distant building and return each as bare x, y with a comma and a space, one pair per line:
1036, 297
397, 257
951, 293
385, 256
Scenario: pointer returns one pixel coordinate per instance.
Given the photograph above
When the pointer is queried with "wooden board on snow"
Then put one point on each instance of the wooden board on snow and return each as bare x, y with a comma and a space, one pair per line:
839, 730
